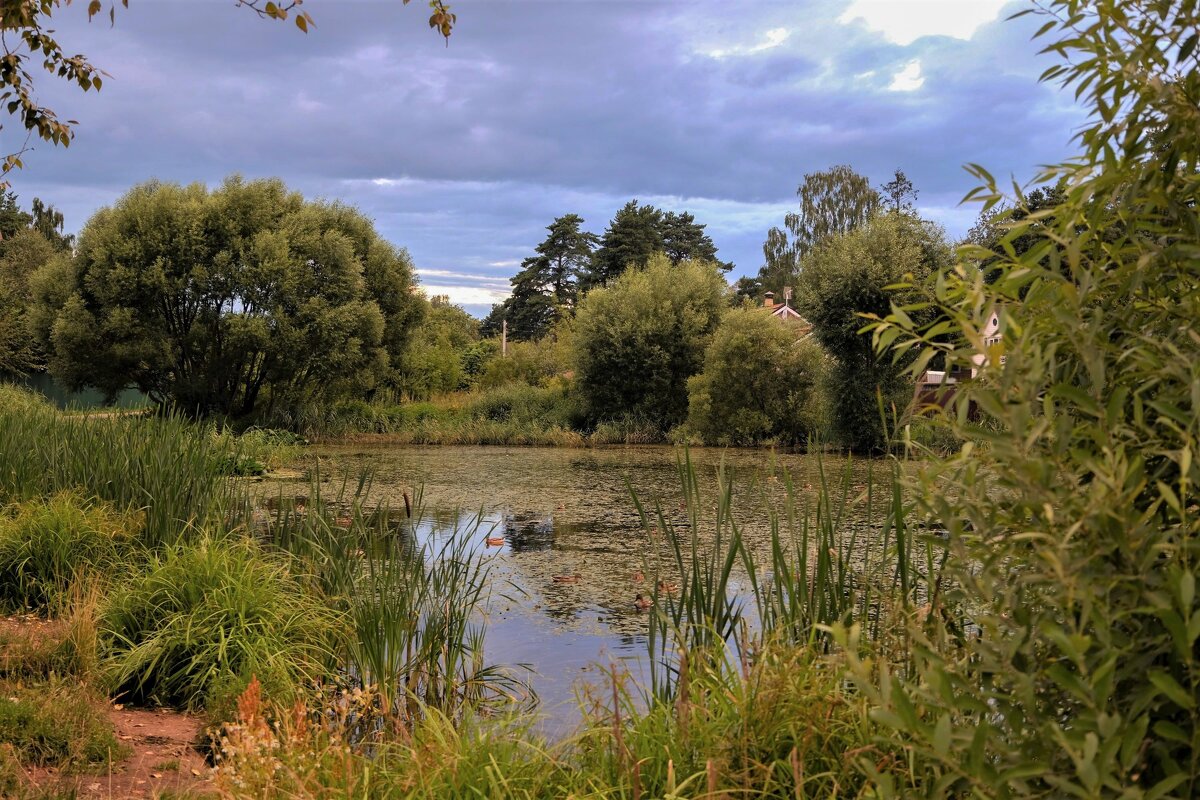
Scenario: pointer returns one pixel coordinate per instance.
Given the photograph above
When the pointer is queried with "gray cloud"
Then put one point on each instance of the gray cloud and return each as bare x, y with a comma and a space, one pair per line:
464, 153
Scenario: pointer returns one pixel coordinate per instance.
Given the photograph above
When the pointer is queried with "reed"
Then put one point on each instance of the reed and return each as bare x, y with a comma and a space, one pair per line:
165, 467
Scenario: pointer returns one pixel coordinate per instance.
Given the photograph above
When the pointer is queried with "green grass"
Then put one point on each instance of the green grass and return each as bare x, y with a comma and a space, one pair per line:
46, 547
56, 724
165, 467
206, 614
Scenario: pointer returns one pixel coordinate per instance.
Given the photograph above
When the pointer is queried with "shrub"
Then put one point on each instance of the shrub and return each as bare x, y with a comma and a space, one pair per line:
209, 610
640, 338
45, 547
760, 381
1073, 542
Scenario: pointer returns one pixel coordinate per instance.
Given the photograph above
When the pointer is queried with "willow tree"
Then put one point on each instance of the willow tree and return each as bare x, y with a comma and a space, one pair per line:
240, 300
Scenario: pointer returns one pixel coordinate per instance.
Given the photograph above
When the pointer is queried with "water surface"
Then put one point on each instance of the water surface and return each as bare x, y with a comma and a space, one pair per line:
570, 512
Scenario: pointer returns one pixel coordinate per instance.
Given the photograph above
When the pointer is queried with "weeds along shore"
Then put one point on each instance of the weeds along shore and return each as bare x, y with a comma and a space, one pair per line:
330, 652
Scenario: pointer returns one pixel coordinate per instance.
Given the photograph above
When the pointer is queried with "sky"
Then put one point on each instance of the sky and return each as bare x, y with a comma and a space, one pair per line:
464, 152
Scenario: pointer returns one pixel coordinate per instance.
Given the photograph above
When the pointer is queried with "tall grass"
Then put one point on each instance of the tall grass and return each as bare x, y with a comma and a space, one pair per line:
165, 467
207, 615
717, 595
49, 547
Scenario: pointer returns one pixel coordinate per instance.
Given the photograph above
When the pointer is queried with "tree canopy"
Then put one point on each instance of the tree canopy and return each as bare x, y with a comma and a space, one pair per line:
847, 276
548, 283
242, 300
832, 202
28, 242
638, 231
639, 339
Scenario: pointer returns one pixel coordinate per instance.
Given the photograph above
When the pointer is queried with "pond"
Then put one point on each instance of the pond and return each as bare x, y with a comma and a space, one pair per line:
570, 512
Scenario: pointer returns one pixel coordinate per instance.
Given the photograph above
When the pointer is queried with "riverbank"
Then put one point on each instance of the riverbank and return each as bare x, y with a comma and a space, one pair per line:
188, 598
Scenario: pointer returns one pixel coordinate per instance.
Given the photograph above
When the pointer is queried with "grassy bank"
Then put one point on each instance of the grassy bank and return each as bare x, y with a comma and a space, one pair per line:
334, 655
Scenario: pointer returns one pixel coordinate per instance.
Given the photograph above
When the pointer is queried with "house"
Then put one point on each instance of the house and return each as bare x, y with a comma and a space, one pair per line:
784, 310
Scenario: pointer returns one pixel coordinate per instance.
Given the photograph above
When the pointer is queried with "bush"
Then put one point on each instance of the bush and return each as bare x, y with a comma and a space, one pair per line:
1073, 539
207, 612
46, 547
760, 381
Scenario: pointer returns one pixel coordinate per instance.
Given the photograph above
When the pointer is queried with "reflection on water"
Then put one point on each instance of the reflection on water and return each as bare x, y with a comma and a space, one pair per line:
562, 512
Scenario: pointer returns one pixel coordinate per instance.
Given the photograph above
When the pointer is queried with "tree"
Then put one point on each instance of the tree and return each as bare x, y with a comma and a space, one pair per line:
683, 238
49, 222
898, 194
548, 284
639, 339
434, 362
847, 276
760, 381
27, 243
25, 39
239, 301
831, 203
634, 234
23, 253
637, 232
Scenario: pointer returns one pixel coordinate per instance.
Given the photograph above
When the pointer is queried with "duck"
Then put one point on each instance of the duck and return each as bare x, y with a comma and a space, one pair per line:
639, 576
668, 587
494, 541
342, 522
642, 603
575, 578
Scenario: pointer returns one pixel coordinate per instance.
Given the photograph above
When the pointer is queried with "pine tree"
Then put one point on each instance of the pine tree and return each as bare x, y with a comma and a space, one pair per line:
548, 284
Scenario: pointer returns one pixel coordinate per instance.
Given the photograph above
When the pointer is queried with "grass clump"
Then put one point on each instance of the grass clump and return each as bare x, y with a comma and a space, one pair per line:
46, 547
56, 724
206, 614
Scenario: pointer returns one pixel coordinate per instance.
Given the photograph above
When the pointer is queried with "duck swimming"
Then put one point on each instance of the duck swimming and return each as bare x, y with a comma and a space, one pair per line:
642, 603
568, 578
494, 541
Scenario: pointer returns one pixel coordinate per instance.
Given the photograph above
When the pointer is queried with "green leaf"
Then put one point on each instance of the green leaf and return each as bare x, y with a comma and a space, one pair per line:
1171, 688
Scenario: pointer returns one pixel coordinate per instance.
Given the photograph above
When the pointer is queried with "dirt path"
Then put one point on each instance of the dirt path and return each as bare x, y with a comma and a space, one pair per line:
163, 758
162, 743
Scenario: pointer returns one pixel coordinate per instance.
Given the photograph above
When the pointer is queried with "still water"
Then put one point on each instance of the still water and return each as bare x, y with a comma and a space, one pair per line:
570, 512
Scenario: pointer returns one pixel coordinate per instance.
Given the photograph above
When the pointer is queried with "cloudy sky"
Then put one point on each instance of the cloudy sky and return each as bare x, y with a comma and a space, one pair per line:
463, 154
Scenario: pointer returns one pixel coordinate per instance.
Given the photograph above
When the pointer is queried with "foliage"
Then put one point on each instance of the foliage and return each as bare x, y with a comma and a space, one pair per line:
760, 381
239, 301
45, 547
832, 203
637, 232
547, 287
536, 363
990, 232
639, 339
27, 243
850, 275
1073, 538
434, 362
512, 413
207, 611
